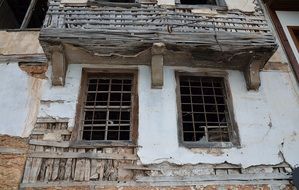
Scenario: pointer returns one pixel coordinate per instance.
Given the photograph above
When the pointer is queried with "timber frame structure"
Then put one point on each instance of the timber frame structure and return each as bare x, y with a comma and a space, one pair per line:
148, 34
142, 34
278, 5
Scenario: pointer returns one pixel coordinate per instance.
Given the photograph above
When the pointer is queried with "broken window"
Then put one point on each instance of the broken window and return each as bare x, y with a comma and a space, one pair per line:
108, 107
204, 110
15, 14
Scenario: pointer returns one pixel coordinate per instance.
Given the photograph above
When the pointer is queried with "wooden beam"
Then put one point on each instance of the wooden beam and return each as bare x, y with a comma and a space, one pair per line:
158, 51
59, 65
26, 58
89, 155
28, 15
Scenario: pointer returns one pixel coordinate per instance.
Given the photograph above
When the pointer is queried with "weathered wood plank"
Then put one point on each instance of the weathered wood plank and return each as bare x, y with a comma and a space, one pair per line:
80, 168
68, 169
35, 166
62, 144
30, 58
49, 169
37, 131
50, 120
88, 155
87, 170
27, 170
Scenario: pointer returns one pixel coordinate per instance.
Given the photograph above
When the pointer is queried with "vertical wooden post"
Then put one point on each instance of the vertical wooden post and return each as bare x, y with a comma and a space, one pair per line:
59, 65
158, 51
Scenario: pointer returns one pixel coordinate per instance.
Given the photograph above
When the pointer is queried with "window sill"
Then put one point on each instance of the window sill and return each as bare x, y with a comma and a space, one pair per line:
100, 144
209, 145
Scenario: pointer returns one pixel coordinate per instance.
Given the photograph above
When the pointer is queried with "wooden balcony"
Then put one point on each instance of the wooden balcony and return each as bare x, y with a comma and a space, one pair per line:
118, 35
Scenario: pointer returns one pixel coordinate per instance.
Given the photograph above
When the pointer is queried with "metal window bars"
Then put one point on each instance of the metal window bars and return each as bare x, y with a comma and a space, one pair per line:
107, 108
204, 112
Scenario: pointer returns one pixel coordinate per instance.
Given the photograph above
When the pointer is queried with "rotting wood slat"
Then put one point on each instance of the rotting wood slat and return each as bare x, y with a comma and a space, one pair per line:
88, 155
148, 24
27, 169
80, 168
35, 166
37, 131
173, 18
62, 144
50, 120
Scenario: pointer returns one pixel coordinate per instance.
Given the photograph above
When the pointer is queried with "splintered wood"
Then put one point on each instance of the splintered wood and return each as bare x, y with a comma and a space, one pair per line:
49, 162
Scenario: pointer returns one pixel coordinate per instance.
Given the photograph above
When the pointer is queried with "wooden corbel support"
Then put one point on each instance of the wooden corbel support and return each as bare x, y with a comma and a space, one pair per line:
252, 72
59, 65
158, 51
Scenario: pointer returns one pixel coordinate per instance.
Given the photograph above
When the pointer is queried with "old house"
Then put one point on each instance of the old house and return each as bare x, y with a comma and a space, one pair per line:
145, 94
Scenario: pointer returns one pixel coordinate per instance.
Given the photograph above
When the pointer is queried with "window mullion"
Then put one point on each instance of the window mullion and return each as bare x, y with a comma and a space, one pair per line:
107, 110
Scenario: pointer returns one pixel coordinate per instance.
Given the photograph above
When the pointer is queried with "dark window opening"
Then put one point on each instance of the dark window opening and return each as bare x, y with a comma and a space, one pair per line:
294, 31
107, 108
204, 111
15, 14
199, 2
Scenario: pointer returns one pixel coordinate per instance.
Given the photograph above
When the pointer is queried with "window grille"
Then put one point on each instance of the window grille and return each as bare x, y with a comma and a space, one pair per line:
204, 110
107, 108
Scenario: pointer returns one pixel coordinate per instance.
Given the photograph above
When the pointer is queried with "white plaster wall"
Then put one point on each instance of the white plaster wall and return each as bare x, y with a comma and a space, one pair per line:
19, 100
266, 119
289, 18
60, 101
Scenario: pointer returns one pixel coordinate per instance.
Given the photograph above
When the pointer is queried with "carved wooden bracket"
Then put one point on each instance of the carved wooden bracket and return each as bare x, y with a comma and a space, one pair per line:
158, 51
59, 65
252, 72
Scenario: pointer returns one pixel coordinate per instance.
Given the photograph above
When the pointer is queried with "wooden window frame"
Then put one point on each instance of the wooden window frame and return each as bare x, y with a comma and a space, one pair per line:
234, 136
76, 138
295, 39
220, 5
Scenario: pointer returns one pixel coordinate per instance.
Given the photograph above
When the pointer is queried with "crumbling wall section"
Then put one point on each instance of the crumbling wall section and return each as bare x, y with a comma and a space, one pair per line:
12, 161
55, 161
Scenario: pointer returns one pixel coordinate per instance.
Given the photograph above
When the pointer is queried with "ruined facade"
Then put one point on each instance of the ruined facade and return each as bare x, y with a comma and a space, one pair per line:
147, 95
